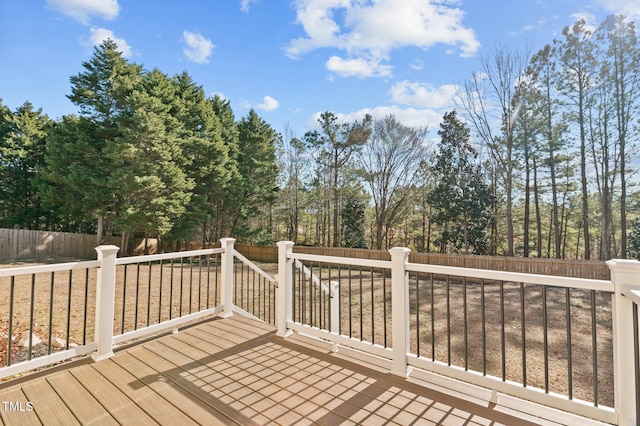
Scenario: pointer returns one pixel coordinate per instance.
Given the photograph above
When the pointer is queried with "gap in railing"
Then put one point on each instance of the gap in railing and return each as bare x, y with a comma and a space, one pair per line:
149, 293
45, 312
552, 338
253, 293
364, 300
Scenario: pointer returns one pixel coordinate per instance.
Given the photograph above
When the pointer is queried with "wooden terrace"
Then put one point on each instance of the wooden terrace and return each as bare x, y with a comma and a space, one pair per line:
236, 370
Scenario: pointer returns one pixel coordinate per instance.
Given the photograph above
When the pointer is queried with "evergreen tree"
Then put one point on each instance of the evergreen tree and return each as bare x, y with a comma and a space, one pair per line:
228, 205
205, 158
78, 170
22, 141
461, 200
353, 218
634, 240
148, 165
258, 170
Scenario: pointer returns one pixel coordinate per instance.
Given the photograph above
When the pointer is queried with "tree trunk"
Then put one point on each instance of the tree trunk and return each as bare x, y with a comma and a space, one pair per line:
100, 230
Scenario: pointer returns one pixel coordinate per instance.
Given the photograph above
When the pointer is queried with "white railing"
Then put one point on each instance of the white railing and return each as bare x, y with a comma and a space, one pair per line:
395, 291
620, 295
127, 306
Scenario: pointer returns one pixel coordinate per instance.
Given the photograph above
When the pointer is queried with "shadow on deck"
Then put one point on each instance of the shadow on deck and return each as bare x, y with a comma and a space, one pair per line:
236, 371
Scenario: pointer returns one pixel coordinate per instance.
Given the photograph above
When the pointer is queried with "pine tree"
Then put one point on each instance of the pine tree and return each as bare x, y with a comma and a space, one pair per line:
78, 172
148, 165
205, 157
22, 141
461, 200
353, 218
259, 171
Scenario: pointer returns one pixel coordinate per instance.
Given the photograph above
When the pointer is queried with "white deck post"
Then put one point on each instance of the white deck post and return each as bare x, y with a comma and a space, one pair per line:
334, 293
285, 287
624, 273
400, 310
105, 301
226, 275
334, 325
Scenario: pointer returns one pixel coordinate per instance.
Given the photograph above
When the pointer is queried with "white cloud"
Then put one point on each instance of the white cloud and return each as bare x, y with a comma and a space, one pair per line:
373, 29
98, 35
411, 117
244, 4
198, 49
423, 95
358, 67
629, 8
417, 65
268, 104
83, 10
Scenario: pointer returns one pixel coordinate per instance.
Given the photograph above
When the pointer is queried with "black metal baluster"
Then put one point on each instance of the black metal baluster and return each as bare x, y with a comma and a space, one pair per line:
545, 330
86, 303
50, 333
523, 335
181, 284
502, 333
160, 292
10, 336
594, 349
433, 321
190, 284
171, 292
149, 296
417, 315
361, 303
465, 325
569, 351
124, 299
31, 314
135, 321
448, 321
483, 313
68, 312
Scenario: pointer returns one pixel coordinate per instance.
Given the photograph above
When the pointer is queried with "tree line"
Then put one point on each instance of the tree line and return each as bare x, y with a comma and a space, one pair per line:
537, 159
147, 155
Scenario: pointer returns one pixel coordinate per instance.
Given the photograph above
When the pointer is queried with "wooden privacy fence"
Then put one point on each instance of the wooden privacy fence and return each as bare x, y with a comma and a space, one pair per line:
23, 244
590, 269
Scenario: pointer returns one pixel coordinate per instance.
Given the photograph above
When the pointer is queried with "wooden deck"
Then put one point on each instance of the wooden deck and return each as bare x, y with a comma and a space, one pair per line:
236, 371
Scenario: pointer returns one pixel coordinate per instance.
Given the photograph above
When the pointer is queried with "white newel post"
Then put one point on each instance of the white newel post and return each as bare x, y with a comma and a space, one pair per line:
285, 288
334, 325
226, 275
400, 310
624, 274
105, 301
334, 293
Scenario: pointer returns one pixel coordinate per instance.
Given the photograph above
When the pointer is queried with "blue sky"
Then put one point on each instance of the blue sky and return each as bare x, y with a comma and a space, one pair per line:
289, 60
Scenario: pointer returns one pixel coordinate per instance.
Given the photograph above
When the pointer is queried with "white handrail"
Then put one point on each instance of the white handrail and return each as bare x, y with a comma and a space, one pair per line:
38, 269
251, 265
547, 280
307, 273
166, 256
353, 261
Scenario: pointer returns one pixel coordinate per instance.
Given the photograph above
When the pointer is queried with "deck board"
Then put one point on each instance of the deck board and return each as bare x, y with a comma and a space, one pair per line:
145, 395
81, 403
49, 407
26, 417
115, 402
237, 371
